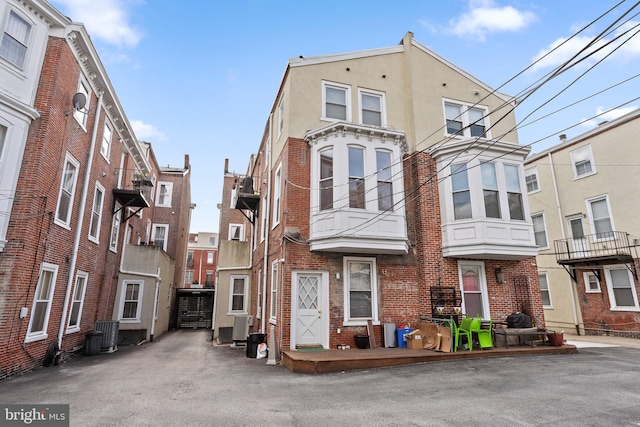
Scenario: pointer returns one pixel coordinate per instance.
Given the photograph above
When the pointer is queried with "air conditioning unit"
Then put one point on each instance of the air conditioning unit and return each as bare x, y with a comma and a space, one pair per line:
241, 325
109, 330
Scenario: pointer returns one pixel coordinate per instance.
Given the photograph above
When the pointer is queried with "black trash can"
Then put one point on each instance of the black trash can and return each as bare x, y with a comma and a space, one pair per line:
253, 340
93, 343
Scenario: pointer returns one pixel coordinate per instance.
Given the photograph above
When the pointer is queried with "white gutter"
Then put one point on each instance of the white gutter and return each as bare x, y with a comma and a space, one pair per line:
266, 233
155, 306
562, 225
76, 239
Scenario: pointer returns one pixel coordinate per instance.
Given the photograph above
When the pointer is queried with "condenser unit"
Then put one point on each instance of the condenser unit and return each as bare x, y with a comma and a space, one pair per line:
241, 327
109, 330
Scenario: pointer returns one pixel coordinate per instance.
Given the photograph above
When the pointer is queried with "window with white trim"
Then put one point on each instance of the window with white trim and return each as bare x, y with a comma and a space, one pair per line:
545, 294
281, 116
326, 179
188, 276
42, 300
212, 241
356, 177
372, 107
591, 283
273, 302
490, 190
600, 217
582, 162
78, 301
238, 294
277, 189
165, 190
385, 180
473, 286
96, 213
531, 179
621, 288
67, 191
161, 236
259, 303
209, 257
236, 232
115, 228
131, 301
15, 40
263, 220
3, 137
105, 147
81, 114
514, 192
336, 101
360, 290
460, 189
465, 120
539, 230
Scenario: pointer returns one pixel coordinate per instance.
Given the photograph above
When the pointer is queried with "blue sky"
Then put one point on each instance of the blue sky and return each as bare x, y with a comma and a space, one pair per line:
200, 77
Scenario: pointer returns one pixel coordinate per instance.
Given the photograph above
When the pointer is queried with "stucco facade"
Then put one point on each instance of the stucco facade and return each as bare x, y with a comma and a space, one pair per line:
358, 218
583, 202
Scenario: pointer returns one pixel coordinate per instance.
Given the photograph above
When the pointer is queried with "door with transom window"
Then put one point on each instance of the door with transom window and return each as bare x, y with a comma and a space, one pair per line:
310, 317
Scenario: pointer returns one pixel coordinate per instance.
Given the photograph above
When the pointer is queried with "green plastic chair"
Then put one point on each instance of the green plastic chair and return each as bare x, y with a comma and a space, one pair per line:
464, 330
485, 336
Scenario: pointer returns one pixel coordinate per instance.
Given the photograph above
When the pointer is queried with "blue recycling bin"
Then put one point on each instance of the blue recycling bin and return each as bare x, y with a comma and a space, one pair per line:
400, 333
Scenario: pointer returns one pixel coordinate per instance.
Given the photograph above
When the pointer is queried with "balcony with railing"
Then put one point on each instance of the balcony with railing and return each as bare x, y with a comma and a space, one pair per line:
611, 247
137, 195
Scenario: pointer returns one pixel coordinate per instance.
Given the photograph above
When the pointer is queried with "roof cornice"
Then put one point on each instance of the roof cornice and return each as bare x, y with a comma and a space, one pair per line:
358, 131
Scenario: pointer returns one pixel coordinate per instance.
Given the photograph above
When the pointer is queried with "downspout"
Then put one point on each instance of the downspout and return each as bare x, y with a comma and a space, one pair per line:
267, 231
155, 306
76, 239
561, 221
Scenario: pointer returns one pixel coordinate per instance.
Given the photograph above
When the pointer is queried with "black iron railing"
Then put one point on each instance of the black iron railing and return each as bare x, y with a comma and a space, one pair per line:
610, 245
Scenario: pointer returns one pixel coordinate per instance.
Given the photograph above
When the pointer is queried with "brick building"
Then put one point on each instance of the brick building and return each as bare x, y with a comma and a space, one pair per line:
388, 183
79, 195
202, 259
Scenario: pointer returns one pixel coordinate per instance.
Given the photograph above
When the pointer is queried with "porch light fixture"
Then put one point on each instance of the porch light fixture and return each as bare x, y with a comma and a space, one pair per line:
500, 275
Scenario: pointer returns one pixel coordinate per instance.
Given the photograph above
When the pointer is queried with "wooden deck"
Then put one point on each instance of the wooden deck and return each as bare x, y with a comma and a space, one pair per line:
345, 360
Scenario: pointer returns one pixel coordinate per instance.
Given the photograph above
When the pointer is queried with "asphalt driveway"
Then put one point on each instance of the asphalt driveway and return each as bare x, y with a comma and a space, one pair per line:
182, 380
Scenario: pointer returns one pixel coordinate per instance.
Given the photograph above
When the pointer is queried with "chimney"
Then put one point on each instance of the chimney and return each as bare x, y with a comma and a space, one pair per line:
563, 137
226, 166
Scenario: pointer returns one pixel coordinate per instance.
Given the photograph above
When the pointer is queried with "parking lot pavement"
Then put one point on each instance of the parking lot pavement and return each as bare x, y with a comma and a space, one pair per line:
182, 380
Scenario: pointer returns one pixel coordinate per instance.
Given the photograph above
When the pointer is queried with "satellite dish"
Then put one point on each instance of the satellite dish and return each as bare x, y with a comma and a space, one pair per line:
79, 101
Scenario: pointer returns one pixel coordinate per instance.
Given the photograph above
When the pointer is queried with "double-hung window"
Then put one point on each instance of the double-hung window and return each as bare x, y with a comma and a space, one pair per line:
460, 189
96, 213
238, 294
600, 217
188, 276
42, 303
115, 229
131, 301
326, 179
591, 283
336, 103
360, 289
78, 301
81, 114
15, 40
105, 148
490, 190
164, 194
277, 189
236, 232
514, 193
67, 191
281, 116
465, 120
160, 236
209, 257
531, 179
356, 177
621, 288
544, 290
385, 181
539, 230
372, 108
582, 162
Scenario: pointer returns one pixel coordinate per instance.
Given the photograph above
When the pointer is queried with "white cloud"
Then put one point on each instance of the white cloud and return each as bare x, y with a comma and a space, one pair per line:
485, 17
107, 21
147, 132
565, 51
606, 117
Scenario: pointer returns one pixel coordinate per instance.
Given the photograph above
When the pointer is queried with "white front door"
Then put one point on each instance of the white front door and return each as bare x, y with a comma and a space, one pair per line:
309, 304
